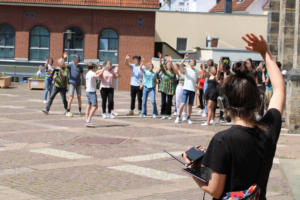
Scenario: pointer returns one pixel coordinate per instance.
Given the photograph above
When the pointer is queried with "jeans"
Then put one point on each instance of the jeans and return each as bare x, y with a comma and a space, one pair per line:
188, 94
178, 99
205, 87
175, 103
146, 91
135, 90
166, 104
48, 87
107, 93
55, 91
201, 98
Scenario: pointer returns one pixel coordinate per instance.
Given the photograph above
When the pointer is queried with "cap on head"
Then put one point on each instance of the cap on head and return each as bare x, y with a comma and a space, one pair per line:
77, 57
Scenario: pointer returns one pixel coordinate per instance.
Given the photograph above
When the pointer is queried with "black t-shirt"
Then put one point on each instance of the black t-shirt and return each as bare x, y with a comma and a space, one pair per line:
251, 73
238, 152
259, 77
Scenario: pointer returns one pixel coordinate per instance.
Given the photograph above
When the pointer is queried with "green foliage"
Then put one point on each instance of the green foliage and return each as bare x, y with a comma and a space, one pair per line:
2, 75
38, 77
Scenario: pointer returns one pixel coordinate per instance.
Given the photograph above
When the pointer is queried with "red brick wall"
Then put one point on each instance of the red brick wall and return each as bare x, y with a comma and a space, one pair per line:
133, 40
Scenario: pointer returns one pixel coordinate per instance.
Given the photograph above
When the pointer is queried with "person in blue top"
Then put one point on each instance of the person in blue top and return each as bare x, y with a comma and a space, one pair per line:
150, 81
269, 87
136, 86
76, 73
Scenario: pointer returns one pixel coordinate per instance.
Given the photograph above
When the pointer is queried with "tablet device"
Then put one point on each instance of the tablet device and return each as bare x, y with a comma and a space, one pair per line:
201, 173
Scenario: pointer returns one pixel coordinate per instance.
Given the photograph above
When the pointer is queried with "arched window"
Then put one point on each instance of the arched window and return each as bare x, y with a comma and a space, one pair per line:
39, 43
76, 44
7, 41
108, 45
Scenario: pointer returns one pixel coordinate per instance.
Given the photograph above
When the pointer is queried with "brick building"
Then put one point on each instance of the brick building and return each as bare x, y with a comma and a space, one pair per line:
30, 32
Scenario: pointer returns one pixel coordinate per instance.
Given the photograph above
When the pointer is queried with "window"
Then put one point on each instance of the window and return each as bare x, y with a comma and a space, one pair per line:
39, 42
240, 1
7, 41
181, 44
108, 45
213, 42
76, 44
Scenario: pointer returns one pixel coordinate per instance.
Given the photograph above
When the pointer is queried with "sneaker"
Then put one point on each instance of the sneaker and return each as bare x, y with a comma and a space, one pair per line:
183, 119
143, 116
212, 122
80, 114
164, 117
204, 124
176, 120
222, 120
90, 124
154, 116
130, 113
104, 115
175, 114
200, 112
65, 113
87, 124
111, 116
45, 101
45, 111
69, 114
189, 121
114, 113
140, 113
170, 117
204, 115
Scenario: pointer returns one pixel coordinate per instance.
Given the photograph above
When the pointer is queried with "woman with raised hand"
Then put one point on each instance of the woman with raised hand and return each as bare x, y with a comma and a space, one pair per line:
167, 86
149, 83
107, 87
211, 93
243, 155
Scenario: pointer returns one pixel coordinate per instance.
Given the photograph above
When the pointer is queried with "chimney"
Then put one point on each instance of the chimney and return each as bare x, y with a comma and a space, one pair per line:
228, 6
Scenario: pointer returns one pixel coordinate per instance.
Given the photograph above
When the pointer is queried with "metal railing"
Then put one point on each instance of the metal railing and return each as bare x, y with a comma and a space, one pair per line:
117, 3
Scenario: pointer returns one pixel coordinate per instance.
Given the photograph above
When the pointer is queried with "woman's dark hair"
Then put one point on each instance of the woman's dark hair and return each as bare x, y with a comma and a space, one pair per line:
252, 66
212, 62
226, 66
137, 57
51, 60
278, 64
91, 65
105, 62
194, 61
242, 93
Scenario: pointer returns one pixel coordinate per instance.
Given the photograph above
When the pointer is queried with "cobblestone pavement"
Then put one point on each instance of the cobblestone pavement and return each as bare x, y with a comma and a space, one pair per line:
56, 157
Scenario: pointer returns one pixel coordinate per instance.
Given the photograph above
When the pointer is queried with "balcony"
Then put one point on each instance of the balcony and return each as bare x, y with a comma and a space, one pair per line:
110, 3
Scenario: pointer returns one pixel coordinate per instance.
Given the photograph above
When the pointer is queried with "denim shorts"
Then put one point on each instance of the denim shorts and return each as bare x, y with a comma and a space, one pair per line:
91, 98
188, 94
75, 87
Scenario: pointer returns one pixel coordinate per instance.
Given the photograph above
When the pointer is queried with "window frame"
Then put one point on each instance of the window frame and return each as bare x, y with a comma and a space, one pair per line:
38, 48
212, 38
73, 41
186, 46
8, 47
109, 51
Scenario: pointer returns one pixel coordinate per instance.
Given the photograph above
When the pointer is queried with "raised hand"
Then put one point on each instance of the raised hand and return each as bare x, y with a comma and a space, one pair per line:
202, 59
127, 56
46, 59
65, 55
116, 69
257, 44
159, 54
220, 59
186, 56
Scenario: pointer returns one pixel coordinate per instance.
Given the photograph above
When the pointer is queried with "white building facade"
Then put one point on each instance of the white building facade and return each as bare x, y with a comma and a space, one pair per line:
187, 5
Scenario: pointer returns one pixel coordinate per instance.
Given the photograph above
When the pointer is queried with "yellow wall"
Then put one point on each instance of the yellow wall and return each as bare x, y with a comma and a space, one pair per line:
197, 26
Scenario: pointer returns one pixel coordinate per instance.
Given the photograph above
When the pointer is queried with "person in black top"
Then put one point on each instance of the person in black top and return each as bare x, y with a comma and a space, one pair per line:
251, 68
262, 88
238, 155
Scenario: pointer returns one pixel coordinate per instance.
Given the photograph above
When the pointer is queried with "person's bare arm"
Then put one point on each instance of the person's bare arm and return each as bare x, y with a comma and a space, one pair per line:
126, 60
172, 66
141, 66
83, 80
54, 80
46, 64
182, 70
98, 73
219, 69
258, 44
117, 72
205, 73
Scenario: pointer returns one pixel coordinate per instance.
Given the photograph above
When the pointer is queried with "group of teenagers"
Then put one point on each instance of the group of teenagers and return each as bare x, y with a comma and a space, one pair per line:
239, 157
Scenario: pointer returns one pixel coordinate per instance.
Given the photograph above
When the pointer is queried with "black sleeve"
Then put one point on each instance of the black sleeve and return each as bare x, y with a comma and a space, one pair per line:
217, 157
273, 119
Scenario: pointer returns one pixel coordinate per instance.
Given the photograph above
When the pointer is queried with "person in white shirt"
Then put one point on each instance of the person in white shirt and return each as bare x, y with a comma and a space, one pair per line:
91, 95
190, 87
40, 72
283, 72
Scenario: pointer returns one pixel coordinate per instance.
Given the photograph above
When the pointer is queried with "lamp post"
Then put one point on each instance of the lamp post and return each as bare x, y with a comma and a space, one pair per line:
69, 38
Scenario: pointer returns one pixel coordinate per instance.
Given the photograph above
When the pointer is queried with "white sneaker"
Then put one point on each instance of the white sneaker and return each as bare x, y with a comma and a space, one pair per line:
183, 119
111, 116
175, 114
204, 124
45, 101
204, 115
176, 120
104, 115
164, 117
212, 122
200, 112
115, 114
154, 116
170, 117
189, 121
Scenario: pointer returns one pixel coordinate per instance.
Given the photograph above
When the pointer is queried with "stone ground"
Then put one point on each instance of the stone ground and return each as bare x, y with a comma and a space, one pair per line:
56, 157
